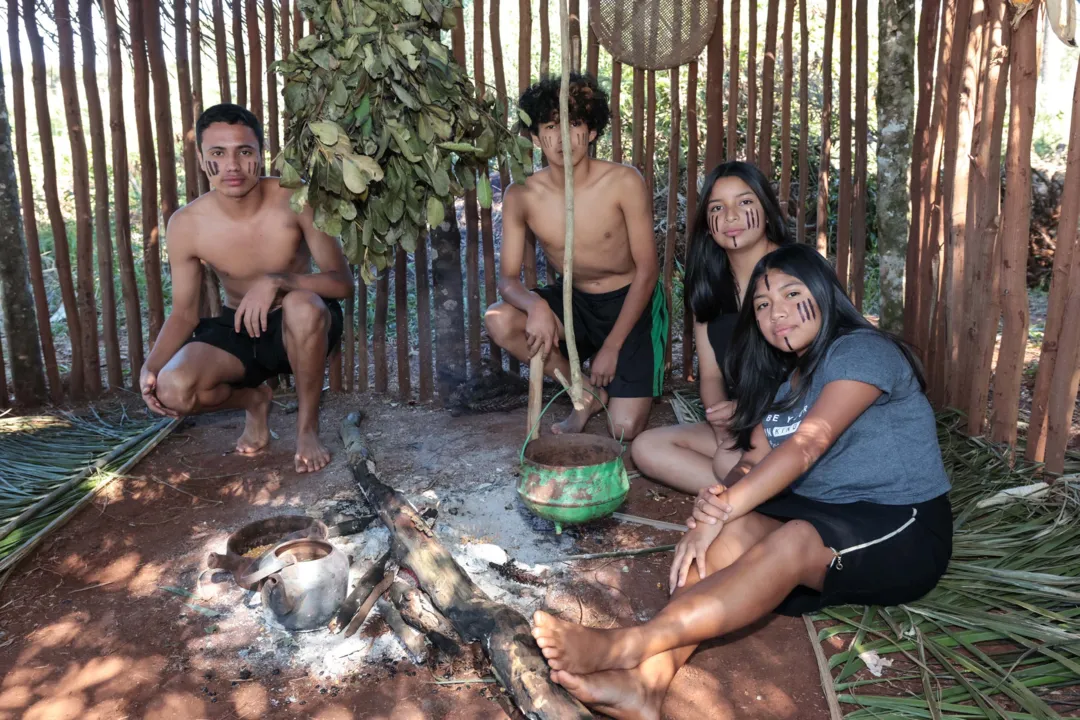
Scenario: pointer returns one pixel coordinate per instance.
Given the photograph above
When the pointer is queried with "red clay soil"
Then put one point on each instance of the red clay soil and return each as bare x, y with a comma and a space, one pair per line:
86, 632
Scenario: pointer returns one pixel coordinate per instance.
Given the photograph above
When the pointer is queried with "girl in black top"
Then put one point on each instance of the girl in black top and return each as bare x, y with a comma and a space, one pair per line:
738, 221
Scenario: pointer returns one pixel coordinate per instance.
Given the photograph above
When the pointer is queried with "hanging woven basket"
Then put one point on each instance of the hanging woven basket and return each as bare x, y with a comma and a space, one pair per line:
655, 34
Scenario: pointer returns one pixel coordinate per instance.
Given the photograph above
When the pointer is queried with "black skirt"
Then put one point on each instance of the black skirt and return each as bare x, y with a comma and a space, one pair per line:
885, 554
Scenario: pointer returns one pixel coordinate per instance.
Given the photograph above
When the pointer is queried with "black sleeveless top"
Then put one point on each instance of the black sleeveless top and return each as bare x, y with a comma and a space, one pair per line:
720, 330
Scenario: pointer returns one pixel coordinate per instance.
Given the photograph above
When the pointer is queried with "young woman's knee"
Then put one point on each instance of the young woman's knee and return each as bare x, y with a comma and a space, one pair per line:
648, 448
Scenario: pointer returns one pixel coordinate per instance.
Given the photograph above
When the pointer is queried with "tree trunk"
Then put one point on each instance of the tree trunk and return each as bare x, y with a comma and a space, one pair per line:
26, 193
691, 209
1016, 221
128, 285
768, 88
714, 93
843, 215
286, 33
733, 86
650, 140
804, 123
822, 217
187, 100
222, 53
166, 154
62, 253
862, 139
237, 11
895, 114
426, 386
545, 39
102, 233
449, 306
378, 338
87, 336
751, 148
616, 115
271, 86
254, 52
362, 334
672, 209
202, 183
24, 352
401, 321
785, 108
638, 113
592, 59
524, 80
490, 271
298, 23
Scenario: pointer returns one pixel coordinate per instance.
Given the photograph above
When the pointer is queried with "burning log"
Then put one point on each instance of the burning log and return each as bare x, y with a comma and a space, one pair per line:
412, 639
504, 634
416, 609
360, 594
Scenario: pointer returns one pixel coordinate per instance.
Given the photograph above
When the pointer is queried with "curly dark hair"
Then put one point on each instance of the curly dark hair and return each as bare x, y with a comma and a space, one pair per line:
588, 102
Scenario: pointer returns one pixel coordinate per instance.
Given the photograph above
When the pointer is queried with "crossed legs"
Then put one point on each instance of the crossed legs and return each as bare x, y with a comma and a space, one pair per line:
753, 564
688, 458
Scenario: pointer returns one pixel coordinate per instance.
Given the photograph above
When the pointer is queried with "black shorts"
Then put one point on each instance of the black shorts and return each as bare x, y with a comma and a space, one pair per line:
263, 357
887, 554
640, 368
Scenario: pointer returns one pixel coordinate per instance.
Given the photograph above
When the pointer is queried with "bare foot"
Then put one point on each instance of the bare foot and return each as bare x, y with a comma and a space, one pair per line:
622, 694
575, 423
578, 649
256, 429
311, 454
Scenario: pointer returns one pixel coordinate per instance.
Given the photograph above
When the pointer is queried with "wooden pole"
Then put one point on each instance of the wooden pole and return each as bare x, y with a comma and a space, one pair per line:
426, 387
238, 51
378, 339
822, 218
472, 218
804, 124
843, 215
361, 334
691, 206
524, 80
982, 330
752, 85
616, 113
592, 58
733, 86
490, 272
672, 208
714, 93
62, 254
26, 196
574, 390
166, 154
202, 183
84, 217
187, 100
401, 323
224, 87
768, 88
254, 50
575, 35
545, 40
102, 233
1015, 225
638, 146
298, 23
128, 285
785, 109
650, 139
449, 304
349, 340
1066, 363
271, 87
285, 26
858, 210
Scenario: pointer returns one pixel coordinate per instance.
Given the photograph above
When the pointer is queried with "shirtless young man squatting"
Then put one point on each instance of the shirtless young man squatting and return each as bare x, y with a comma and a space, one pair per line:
620, 315
279, 316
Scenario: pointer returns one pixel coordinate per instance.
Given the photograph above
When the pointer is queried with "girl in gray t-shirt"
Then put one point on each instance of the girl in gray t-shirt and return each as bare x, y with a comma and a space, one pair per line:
840, 496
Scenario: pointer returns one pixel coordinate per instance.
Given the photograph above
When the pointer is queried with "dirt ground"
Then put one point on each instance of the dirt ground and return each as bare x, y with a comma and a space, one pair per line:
86, 630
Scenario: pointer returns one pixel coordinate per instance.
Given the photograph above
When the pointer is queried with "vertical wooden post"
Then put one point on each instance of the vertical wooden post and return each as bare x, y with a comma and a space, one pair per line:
858, 211
752, 85
484, 236
574, 8
334, 373
616, 114
238, 51
843, 215
691, 207
785, 109
985, 255
1015, 225
254, 50
524, 80
62, 254
349, 338
202, 183
378, 339
426, 387
224, 87
361, 334
128, 285
545, 40
672, 207
592, 57
638, 146
804, 124
4, 400
26, 199
490, 272
733, 86
401, 322
187, 100
822, 218
84, 219
714, 93
271, 87
650, 138
768, 88
102, 233
298, 23
286, 32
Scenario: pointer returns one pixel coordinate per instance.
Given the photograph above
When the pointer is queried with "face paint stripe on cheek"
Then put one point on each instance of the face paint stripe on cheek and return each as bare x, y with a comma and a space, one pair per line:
802, 313
212, 167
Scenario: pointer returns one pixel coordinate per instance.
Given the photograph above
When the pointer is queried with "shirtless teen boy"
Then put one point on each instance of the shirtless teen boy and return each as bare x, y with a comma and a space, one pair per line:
620, 315
280, 317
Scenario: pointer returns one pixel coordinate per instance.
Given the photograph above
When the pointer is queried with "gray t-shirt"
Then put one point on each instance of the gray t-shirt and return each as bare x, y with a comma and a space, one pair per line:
890, 454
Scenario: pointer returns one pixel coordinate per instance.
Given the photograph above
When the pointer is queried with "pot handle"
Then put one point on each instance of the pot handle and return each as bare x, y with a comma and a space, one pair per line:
276, 565
521, 457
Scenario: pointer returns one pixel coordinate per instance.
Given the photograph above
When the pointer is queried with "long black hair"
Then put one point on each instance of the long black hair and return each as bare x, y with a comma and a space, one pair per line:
710, 284
757, 369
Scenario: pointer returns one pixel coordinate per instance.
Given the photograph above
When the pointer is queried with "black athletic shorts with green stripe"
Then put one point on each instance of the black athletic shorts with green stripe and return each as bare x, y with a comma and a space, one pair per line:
640, 369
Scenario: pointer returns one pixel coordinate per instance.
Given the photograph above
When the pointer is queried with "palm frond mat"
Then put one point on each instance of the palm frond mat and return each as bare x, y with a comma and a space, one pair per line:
1000, 635
52, 465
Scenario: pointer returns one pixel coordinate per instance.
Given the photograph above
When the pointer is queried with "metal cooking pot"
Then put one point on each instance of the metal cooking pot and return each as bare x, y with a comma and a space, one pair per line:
303, 583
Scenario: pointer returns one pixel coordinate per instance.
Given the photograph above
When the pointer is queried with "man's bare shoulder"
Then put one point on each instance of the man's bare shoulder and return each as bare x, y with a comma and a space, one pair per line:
613, 172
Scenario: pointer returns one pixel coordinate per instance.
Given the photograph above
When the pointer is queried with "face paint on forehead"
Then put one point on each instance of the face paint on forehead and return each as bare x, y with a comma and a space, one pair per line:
766, 278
